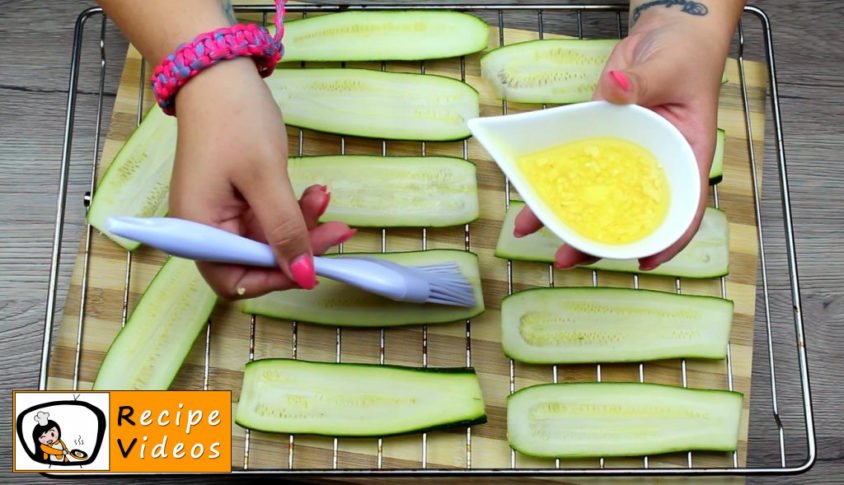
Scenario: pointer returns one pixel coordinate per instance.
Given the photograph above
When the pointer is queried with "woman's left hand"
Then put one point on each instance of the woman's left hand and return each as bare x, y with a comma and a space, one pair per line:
671, 63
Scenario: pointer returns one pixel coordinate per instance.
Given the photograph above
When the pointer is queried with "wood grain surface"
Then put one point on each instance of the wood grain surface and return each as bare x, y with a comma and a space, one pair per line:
813, 189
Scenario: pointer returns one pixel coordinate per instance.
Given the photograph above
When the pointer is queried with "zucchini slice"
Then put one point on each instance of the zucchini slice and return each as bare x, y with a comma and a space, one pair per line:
706, 256
716, 173
594, 419
384, 36
548, 70
137, 181
593, 325
367, 191
375, 104
149, 351
334, 303
372, 191
320, 398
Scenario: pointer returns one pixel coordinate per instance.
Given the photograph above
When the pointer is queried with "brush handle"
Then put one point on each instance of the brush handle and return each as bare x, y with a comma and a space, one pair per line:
192, 240
199, 242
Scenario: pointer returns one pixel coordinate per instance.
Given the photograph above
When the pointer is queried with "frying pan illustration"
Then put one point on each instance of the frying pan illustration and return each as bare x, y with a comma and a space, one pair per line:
78, 454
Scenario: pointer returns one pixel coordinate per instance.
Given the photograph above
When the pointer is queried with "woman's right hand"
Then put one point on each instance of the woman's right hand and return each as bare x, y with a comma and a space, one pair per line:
231, 173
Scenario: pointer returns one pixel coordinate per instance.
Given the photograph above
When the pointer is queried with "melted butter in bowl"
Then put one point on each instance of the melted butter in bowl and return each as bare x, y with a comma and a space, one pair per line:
613, 181
607, 189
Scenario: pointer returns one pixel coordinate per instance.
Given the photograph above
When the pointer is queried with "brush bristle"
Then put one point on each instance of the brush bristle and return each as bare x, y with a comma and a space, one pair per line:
448, 285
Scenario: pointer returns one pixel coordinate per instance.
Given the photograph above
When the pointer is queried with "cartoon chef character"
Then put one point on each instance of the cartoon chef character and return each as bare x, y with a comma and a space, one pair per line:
48, 435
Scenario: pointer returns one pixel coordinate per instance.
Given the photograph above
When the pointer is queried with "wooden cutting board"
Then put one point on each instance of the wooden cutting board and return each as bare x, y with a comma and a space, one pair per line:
446, 344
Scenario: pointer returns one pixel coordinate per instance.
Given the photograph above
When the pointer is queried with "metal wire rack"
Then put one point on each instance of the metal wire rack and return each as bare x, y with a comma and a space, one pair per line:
496, 14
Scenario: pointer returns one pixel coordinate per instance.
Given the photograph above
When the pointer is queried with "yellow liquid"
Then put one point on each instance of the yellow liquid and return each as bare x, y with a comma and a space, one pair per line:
606, 189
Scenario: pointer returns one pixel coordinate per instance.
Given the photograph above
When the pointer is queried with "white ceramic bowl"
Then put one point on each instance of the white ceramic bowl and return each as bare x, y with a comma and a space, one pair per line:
509, 137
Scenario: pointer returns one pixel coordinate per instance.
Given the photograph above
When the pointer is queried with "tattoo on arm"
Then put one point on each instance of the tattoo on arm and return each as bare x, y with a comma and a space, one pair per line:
688, 6
229, 11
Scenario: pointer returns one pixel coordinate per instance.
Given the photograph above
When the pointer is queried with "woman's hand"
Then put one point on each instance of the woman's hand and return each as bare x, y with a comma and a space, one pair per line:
672, 63
231, 172
231, 154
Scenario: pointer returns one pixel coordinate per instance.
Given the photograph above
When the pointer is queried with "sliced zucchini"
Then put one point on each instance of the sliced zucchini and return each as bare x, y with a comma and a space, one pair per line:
137, 181
621, 419
366, 191
318, 398
716, 173
548, 70
149, 351
384, 36
706, 256
333, 303
375, 104
371, 191
594, 325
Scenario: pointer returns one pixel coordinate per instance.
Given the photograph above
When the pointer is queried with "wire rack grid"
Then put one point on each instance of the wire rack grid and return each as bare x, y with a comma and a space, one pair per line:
496, 14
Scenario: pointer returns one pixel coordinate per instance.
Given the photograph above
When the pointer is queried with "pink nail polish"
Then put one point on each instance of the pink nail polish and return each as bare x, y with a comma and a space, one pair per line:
647, 267
621, 79
325, 203
346, 236
302, 269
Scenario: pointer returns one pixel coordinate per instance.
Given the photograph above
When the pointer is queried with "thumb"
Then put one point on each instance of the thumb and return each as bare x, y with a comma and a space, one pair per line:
279, 215
649, 83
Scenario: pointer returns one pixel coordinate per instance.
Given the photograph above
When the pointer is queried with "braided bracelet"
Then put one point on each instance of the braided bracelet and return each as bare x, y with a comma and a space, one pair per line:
249, 40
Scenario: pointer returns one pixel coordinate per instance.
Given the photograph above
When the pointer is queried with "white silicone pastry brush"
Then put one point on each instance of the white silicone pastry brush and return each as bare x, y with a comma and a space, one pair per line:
442, 284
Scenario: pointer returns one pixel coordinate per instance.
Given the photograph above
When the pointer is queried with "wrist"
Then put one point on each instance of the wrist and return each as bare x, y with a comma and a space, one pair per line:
209, 48
211, 83
715, 19
707, 26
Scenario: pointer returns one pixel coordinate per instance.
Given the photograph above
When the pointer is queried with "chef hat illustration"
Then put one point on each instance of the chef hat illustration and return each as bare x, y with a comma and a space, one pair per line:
42, 417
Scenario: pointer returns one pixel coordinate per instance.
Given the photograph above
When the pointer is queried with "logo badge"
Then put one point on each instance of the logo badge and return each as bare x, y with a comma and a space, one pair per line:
122, 431
61, 432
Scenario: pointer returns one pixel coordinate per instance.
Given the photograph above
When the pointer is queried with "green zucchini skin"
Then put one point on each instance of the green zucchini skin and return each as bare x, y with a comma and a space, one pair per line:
150, 349
404, 191
337, 304
584, 420
547, 70
577, 325
706, 256
356, 400
137, 181
384, 36
716, 173
375, 104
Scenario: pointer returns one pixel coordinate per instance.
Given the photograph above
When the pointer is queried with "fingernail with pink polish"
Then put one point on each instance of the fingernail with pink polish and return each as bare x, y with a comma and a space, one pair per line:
518, 233
302, 269
647, 267
621, 79
346, 236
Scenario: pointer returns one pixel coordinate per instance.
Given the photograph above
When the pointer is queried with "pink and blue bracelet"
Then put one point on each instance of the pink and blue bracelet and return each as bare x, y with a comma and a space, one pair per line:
239, 40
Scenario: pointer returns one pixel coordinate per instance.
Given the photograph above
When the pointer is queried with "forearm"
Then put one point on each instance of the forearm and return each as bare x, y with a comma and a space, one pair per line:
157, 27
716, 18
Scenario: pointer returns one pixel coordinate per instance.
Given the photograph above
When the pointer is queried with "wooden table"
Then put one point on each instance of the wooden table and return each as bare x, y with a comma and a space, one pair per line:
33, 94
